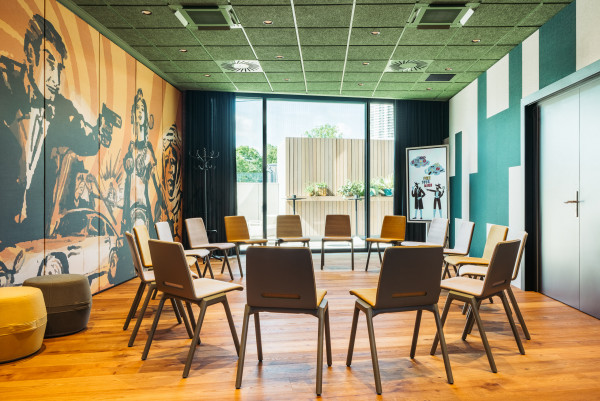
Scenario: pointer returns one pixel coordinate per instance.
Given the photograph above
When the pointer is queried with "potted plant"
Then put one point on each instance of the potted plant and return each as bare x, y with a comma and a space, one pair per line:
352, 188
377, 187
388, 186
310, 190
321, 188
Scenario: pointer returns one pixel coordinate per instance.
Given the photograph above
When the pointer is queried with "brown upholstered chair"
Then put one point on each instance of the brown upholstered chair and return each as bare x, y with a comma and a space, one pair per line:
393, 230
289, 229
173, 278
472, 291
236, 231
163, 232
479, 271
282, 280
409, 281
496, 234
338, 229
198, 239
437, 234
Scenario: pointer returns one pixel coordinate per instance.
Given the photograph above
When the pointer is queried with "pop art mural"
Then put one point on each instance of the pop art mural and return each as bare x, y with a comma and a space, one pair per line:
89, 147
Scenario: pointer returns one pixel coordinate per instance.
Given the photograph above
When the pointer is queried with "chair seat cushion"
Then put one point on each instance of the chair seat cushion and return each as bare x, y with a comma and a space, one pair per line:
463, 284
320, 295
205, 287
473, 270
384, 240
293, 239
196, 253
366, 294
450, 251
215, 245
252, 241
415, 243
148, 276
337, 238
463, 260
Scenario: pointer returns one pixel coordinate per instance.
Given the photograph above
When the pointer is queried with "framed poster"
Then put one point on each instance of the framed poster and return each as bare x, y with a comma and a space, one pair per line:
427, 183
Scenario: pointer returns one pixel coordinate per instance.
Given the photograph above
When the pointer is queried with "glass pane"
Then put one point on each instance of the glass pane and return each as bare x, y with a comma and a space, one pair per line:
249, 159
316, 153
382, 164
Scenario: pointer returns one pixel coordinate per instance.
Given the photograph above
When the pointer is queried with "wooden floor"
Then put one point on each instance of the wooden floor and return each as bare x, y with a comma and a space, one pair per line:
562, 360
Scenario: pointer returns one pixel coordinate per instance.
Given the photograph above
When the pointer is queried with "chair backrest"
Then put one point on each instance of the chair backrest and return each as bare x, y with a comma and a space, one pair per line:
171, 270
196, 232
142, 236
337, 225
236, 228
135, 255
438, 231
393, 227
279, 277
522, 236
502, 264
289, 226
464, 236
497, 234
410, 276
163, 231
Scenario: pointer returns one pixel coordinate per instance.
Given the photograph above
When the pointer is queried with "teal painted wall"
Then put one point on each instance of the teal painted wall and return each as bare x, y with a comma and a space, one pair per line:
456, 186
558, 46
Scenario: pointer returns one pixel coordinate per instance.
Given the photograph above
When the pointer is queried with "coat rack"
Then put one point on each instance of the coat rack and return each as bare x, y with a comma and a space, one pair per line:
205, 162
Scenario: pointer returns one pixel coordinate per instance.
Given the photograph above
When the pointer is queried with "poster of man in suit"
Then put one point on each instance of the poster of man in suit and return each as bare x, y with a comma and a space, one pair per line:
427, 181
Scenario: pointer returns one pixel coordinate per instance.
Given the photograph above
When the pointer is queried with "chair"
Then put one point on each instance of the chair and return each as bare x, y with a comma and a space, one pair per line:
393, 230
236, 231
282, 280
289, 229
163, 232
479, 271
409, 280
497, 280
337, 228
437, 234
497, 234
462, 243
173, 278
198, 239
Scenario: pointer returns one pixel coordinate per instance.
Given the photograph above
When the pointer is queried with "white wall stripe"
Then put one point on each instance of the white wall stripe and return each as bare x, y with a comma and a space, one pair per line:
587, 32
531, 64
497, 87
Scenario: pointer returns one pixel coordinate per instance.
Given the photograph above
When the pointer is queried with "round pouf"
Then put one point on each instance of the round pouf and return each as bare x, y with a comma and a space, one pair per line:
68, 302
22, 322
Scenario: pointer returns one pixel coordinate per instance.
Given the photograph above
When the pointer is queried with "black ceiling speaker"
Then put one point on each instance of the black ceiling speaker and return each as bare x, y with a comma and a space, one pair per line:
439, 77
407, 65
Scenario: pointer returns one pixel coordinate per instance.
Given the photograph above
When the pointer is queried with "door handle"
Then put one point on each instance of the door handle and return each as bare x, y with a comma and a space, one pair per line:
576, 202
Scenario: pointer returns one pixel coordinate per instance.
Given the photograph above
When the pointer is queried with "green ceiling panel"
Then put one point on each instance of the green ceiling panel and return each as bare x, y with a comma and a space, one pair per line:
282, 76
362, 77
248, 77
106, 16
543, 14
353, 93
488, 36
271, 52
281, 66
381, 16
517, 35
416, 52
253, 16
435, 86
396, 86
323, 76
193, 53
363, 36
151, 53
215, 77
169, 36
500, 14
253, 87
198, 66
457, 87
268, 36
168, 66
497, 52
320, 16
439, 66
368, 53
482, 65
131, 37
231, 37
324, 52
222, 53
466, 77
323, 36
326, 86
324, 93
403, 77
258, 2
306, 2
225, 87
414, 36
288, 86
161, 17
179, 77
373, 66
354, 85
463, 52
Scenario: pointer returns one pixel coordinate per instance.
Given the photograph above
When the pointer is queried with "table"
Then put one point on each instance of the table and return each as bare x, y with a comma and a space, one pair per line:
355, 199
294, 198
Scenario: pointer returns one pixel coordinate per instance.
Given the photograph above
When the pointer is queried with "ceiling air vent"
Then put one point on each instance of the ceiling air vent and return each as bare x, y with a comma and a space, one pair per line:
441, 16
208, 17
240, 66
407, 65
439, 77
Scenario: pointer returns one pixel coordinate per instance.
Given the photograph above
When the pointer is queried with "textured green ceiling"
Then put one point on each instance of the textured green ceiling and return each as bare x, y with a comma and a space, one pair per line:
324, 43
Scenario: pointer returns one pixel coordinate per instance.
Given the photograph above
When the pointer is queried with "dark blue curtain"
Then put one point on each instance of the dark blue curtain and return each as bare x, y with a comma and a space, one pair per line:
210, 123
418, 123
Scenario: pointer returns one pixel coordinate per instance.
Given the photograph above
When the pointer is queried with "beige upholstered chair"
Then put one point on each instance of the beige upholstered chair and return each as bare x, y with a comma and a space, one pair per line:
173, 278
393, 230
337, 228
479, 271
236, 231
282, 280
497, 234
163, 232
409, 281
437, 234
198, 239
289, 229
472, 291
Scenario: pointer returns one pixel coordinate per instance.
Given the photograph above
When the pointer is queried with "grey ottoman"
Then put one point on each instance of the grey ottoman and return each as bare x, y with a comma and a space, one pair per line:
68, 302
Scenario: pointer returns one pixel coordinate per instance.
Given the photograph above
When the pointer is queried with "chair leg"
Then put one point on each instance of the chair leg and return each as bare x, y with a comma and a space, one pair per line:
513, 301
237, 254
153, 329
155, 293
190, 357
486, 345
446, 271
141, 315
352, 335
176, 311
198, 268
379, 253
192, 319
512, 322
440, 333
469, 322
413, 347
444, 316
236, 342
328, 337
209, 267
369, 245
188, 328
373, 351
321, 316
135, 304
322, 254
226, 262
258, 337
240, 366
352, 252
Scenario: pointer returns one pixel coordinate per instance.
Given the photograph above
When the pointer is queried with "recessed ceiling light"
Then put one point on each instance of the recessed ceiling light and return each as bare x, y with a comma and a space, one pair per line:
366, 63
286, 79
448, 69
429, 89
268, 22
360, 84
183, 50
207, 75
146, 12
375, 32
476, 40
280, 57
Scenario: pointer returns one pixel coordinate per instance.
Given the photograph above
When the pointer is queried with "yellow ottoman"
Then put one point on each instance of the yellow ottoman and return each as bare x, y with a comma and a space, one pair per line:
22, 322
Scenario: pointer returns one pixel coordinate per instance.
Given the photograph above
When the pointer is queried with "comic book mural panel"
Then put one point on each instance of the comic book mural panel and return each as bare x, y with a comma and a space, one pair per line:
82, 143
